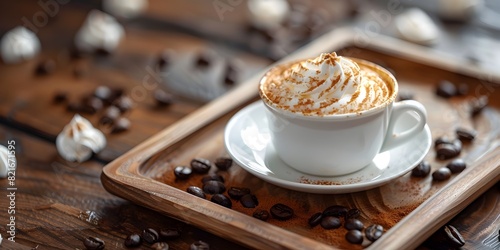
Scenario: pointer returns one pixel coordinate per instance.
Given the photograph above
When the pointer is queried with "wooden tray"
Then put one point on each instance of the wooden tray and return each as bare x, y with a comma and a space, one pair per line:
410, 209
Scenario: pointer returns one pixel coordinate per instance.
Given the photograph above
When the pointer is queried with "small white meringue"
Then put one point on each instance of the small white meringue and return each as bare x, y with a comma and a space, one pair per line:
268, 13
416, 26
99, 31
19, 44
124, 8
79, 139
5, 164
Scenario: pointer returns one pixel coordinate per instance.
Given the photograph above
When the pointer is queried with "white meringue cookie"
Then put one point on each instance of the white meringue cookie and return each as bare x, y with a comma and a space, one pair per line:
5, 165
268, 13
124, 8
79, 139
416, 26
99, 31
19, 44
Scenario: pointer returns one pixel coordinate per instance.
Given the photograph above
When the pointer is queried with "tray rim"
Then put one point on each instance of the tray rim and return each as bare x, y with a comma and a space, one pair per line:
130, 178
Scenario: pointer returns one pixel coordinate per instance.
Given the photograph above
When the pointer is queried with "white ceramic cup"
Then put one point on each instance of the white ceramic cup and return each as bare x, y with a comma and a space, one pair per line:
344, 143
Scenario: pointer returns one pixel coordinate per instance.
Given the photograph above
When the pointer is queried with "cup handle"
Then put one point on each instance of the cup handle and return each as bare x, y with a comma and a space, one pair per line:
393, 139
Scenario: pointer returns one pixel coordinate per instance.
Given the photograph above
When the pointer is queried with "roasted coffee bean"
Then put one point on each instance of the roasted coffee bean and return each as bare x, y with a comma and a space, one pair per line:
200, 165
109, 116
165, 58
456, 166
249, 201
60, 97
441, 174
221, 200
124, 103
163, 98
214, 187
150, 235
442, 140
462, 89
121, 124
281, 211
196, 191
231, 78
93, 104
261, 214
446, 89
93, 243
74, 107
335, 210
133, 240
212, 177
330, 222
354, 236
315, 219
199, 245
477, 105
204, 59
422, 169
104, 52
169, 233
466, 135
405, 95
45, 67
351, 224
104, 93
223, 163
352, 213
447, 151
182, 172
453, 237
374, 232
160, 246
237, 192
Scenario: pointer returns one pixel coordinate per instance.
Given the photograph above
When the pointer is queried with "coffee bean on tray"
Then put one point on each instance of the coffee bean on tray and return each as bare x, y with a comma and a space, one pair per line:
446, 89
351, 224
165, 58
462, 89
221, 200
223, 163
93, 243
330, 222
60, 97
374, 232
150, 236
352, 213
281, 211
121, 124
182, 172
109, 116
124, 103
212, 177
133, 240
199, 245
204, 59
466, 135
335, 210
200, 165
477, 105
354, 236
160, 246
169, 233
163, 98
456, 166
103, 92
237, 192
447, 151
261, 214
441, 174
196, 191
422, 169
214, 187
45, 67
453, 236
315, 219
442, 140
249, 201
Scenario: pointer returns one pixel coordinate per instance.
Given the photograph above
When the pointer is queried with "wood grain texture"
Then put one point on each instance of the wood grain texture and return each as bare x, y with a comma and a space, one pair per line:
144, 174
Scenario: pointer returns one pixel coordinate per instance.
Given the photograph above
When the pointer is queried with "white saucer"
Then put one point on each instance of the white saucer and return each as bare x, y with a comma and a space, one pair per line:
248, 142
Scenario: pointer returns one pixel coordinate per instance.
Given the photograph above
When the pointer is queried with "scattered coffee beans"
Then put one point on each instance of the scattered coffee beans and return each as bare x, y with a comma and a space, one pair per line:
160, 246
196, 191
200, 165
442, 140
351, 224
445, 151
477, 105
281, 211
352, 213
199, 245
60, 97
354, 236
104, 93
169, 233
45, 67
223, 163
204, 59
182, 172
120, 125
133, 240
212, 177
456, 166
466, 135
446, 89
150, 235
330, 222
124, 103
249, 201
422, 169
237, 192
261, 214
110, 115
374, 232
335, 210
453, 237
165, 58
93, 243
214, 187
163, 98
462, 89
441, 174
315, 219
221, 200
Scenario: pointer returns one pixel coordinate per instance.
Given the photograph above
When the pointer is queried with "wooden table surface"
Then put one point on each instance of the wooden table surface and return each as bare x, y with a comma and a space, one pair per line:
55, 197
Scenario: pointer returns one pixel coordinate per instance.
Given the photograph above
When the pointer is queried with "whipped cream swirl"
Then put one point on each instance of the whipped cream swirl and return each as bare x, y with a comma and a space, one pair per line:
19, 44
5, 165
326, 85
79, 139
99, 31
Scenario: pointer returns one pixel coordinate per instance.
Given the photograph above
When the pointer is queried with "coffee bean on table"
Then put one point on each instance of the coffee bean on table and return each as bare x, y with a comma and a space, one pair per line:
261, 214
374, 232
405, 95
160, 246
354, 236
103, 92
315, 219
150, 235
351, 224
93, 104
477, 105
447, 151
199, 245
204, 59
45, 67
281, 211
456, 166
442, 140
121, 124
330, 222
214, 187
221, 200
249, 201
109, 116
212, 177
93, 243
196, 191
466, 135
182, 172
453, 237
352, 213
124, 103
200, 165
446, 89
237, 192
60, 97
223, 163
133, 240
165, 58
169, 233
462, 89
163, 98
335, 210
441, 174
422, 169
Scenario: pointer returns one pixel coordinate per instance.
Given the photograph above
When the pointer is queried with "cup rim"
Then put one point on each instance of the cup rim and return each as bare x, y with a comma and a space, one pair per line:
364, 113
